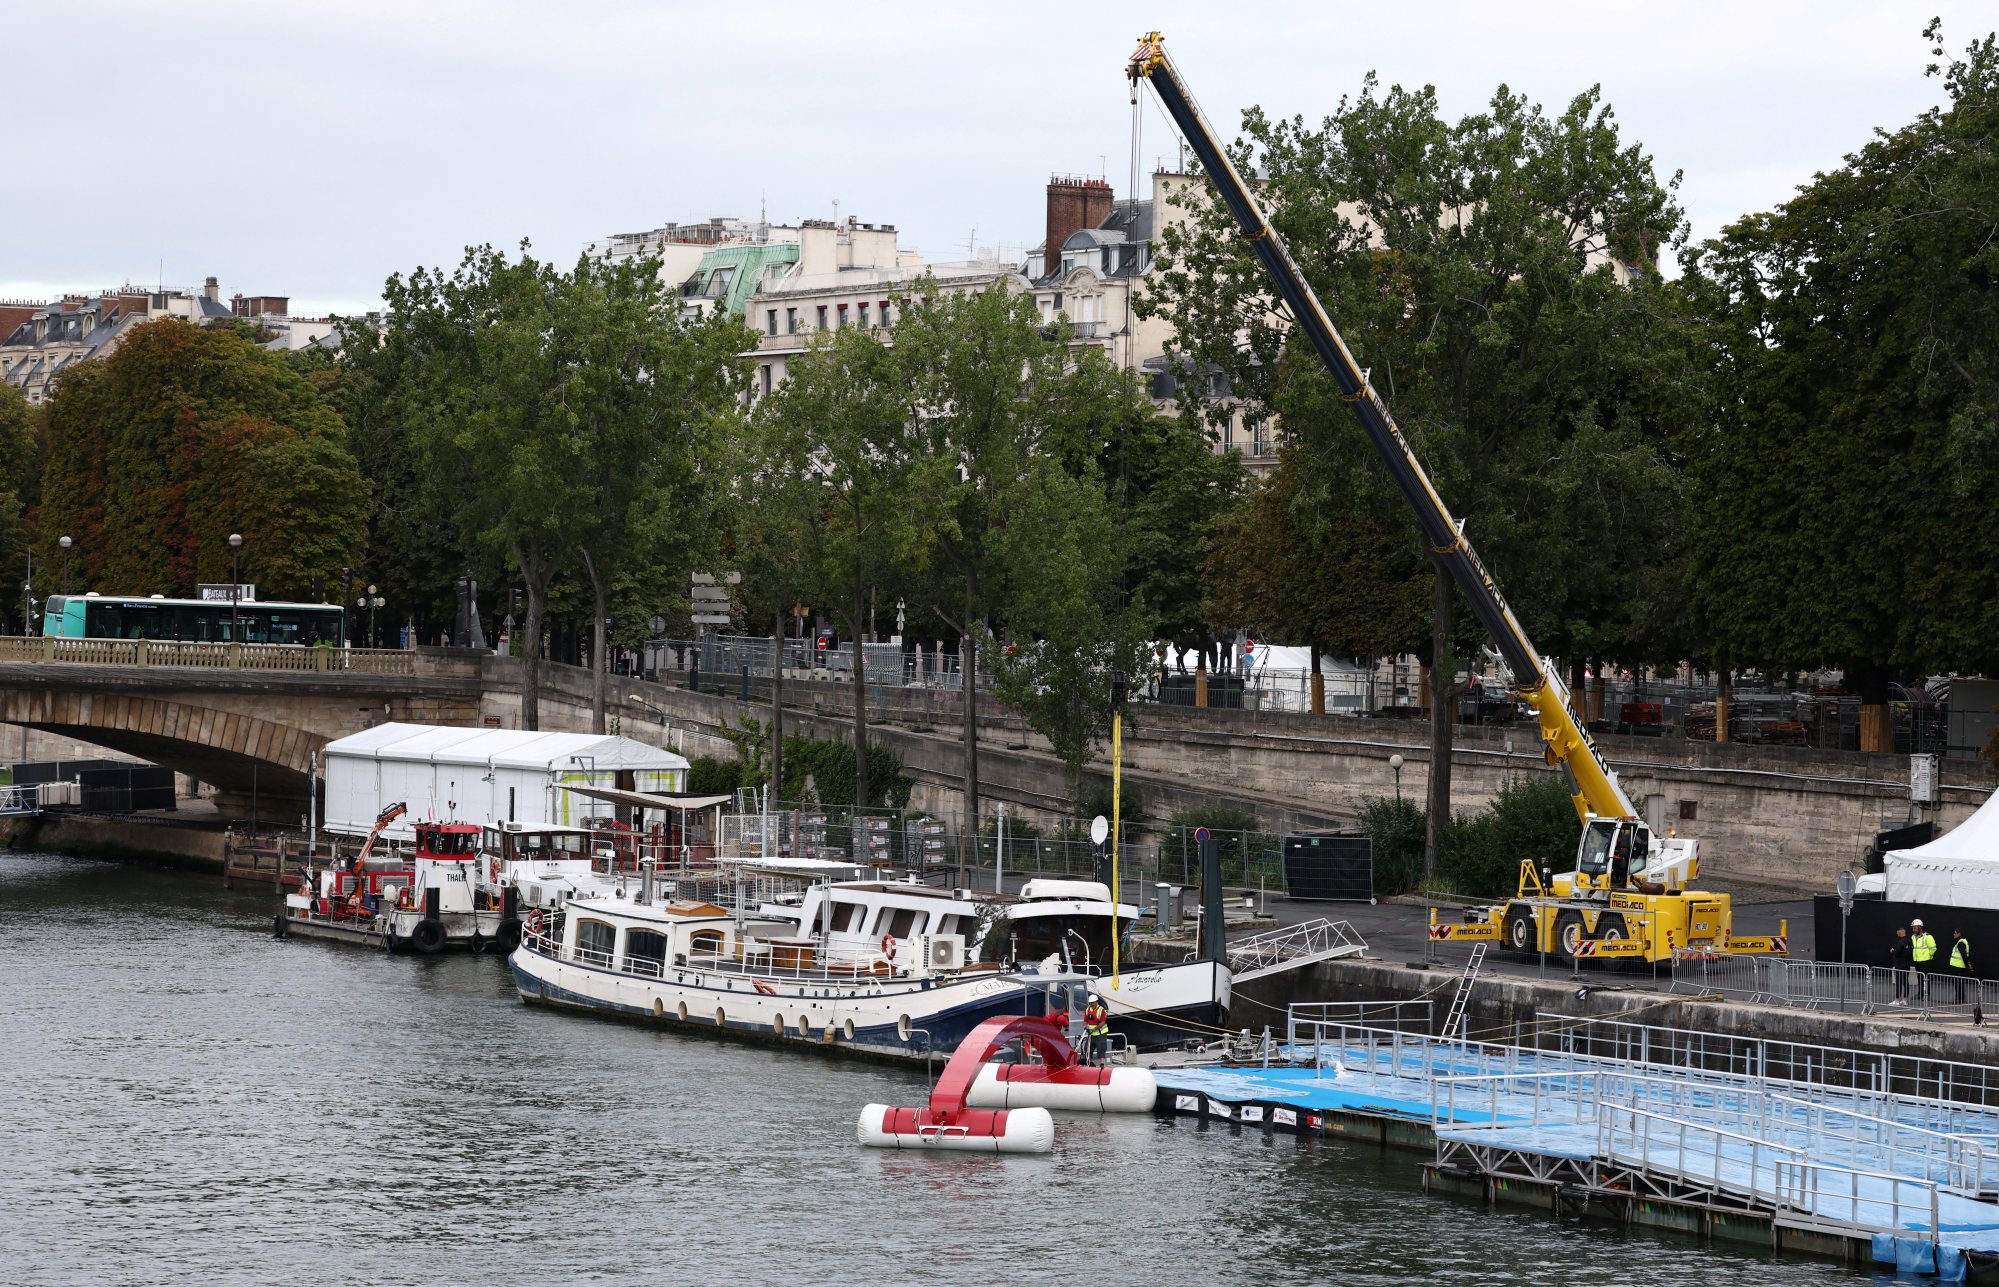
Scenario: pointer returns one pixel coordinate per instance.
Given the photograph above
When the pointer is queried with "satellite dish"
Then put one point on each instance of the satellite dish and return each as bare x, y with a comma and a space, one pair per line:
1100, 829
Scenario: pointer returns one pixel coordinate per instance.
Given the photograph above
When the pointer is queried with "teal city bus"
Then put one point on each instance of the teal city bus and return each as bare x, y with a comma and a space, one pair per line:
94, 616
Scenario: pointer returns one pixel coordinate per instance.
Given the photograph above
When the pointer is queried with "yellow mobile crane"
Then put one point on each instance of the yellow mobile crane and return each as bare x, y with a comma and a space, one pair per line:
1627, 897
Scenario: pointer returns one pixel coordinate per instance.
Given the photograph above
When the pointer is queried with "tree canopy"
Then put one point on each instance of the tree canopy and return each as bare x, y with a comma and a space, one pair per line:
182, 436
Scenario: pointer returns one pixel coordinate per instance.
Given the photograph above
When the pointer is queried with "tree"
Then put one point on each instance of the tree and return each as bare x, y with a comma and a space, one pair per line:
182, 436
487, 363
979, 366
1497, 276
641, 402
414, 551
20, 477
1852, 332
1066, 628
830, 478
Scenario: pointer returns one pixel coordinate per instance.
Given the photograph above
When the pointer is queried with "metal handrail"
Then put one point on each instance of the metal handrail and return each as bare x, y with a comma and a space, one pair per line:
1795, 1182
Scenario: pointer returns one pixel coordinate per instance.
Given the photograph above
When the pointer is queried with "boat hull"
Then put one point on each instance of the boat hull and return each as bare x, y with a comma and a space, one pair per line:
909, 1018
1158, 1007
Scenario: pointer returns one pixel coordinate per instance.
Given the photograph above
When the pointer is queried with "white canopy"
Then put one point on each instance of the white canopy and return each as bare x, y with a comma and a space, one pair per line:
1960, 868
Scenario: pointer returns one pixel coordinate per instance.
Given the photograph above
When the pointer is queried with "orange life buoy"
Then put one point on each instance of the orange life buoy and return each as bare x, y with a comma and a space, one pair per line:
535, 922
888, 946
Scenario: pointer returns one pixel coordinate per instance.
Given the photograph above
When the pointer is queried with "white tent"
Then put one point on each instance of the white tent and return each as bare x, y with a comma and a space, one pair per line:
1958, 869
483, 775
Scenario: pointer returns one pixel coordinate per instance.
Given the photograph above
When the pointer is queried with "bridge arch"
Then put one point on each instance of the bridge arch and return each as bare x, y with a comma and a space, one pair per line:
237, 751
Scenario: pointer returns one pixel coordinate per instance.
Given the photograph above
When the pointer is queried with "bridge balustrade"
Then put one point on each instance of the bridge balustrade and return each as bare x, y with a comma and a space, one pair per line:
208, 656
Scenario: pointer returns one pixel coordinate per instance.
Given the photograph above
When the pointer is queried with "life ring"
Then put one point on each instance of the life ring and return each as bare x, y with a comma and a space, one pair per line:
888, 946
535, 922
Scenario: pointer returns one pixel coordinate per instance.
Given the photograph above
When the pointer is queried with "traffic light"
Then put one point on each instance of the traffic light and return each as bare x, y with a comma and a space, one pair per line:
346, 584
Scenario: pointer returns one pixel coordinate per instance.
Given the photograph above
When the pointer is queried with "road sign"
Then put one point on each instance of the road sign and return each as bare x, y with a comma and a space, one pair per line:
710, 594
1100, 829
1200, 835
711, 619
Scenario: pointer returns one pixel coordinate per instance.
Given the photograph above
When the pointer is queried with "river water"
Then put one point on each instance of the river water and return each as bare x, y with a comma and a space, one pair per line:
184, 1097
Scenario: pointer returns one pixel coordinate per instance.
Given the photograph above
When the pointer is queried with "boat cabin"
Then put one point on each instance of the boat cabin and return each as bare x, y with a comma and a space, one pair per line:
855, 919
1069, 919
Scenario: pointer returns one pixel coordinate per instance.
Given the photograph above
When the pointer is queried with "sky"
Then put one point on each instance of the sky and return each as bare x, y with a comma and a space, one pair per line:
312, 150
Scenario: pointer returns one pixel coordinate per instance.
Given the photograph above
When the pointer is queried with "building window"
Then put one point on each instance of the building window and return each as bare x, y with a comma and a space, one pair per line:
770, 321
822, 317
884, 313
1058, 301
766, 369
864, 314
791, 321
843, 314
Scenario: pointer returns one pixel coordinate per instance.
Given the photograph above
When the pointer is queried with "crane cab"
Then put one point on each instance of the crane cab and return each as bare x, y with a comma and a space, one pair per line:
1611, 856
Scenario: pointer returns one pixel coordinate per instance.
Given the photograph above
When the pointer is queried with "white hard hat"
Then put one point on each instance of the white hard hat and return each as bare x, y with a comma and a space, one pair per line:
1917, 921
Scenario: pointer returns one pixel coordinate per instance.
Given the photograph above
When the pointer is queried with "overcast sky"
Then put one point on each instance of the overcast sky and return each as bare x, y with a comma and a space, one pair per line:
313, 150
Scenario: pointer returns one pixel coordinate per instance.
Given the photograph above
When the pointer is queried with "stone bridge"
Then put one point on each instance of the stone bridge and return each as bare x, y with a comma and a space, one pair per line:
249, 721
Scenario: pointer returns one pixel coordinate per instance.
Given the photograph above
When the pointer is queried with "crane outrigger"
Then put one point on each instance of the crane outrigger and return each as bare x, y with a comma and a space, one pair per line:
1627, 896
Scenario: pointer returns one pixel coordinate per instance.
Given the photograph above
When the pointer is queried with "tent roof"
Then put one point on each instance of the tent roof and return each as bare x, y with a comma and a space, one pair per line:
505, 748
647, 799
1959, 868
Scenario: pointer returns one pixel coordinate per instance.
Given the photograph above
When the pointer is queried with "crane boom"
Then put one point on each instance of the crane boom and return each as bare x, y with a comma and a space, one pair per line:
1592, 783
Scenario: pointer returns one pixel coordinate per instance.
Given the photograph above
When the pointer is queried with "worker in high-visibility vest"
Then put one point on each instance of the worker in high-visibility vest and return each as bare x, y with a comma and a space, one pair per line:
1097, 1028
1923, 955
1959, 964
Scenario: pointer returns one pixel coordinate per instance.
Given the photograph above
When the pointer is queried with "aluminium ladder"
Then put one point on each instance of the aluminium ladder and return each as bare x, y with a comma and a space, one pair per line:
1454, 1022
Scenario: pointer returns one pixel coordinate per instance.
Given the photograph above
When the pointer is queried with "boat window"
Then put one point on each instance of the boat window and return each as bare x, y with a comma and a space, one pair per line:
902, 922
950, 925
645, 951
596, 937
848, 918
705, 941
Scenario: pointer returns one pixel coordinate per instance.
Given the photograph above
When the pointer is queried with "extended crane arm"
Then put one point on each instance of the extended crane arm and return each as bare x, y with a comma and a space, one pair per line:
1591, 782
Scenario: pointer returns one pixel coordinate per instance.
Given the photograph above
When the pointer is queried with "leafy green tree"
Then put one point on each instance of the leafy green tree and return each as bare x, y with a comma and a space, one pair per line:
488, 363
1497, 276
20, 478
1843, 481
182, 436
831, 467
415, 549
642, 403
1066, 628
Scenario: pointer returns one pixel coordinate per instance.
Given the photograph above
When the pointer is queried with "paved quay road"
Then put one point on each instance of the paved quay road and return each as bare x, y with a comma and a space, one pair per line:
191, 1100
1400, 931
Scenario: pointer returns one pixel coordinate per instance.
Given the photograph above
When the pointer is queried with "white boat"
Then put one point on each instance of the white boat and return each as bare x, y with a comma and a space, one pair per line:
431, 899
654, 957
1051, 926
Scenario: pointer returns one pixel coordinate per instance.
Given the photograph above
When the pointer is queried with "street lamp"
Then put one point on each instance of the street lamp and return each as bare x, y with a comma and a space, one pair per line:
235, 582
62, 577
371, 601
1395, 762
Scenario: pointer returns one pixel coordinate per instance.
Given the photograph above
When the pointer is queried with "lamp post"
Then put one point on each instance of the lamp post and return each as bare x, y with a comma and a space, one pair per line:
28, 614
62, 577
371, 600
1395, 762
235, 583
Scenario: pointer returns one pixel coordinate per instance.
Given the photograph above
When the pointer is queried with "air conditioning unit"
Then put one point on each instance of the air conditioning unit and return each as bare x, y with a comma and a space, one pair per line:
943, 951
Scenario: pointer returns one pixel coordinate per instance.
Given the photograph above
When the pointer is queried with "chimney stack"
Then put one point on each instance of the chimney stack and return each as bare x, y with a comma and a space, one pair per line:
210, 289
1073, 205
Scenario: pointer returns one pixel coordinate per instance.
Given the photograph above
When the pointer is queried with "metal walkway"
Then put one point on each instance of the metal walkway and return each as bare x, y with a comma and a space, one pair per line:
1293, 946
1896, 1153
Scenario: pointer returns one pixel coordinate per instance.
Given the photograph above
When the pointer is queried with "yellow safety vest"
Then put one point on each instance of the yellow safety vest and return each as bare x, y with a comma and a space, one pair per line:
1923, 948
1959, 952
